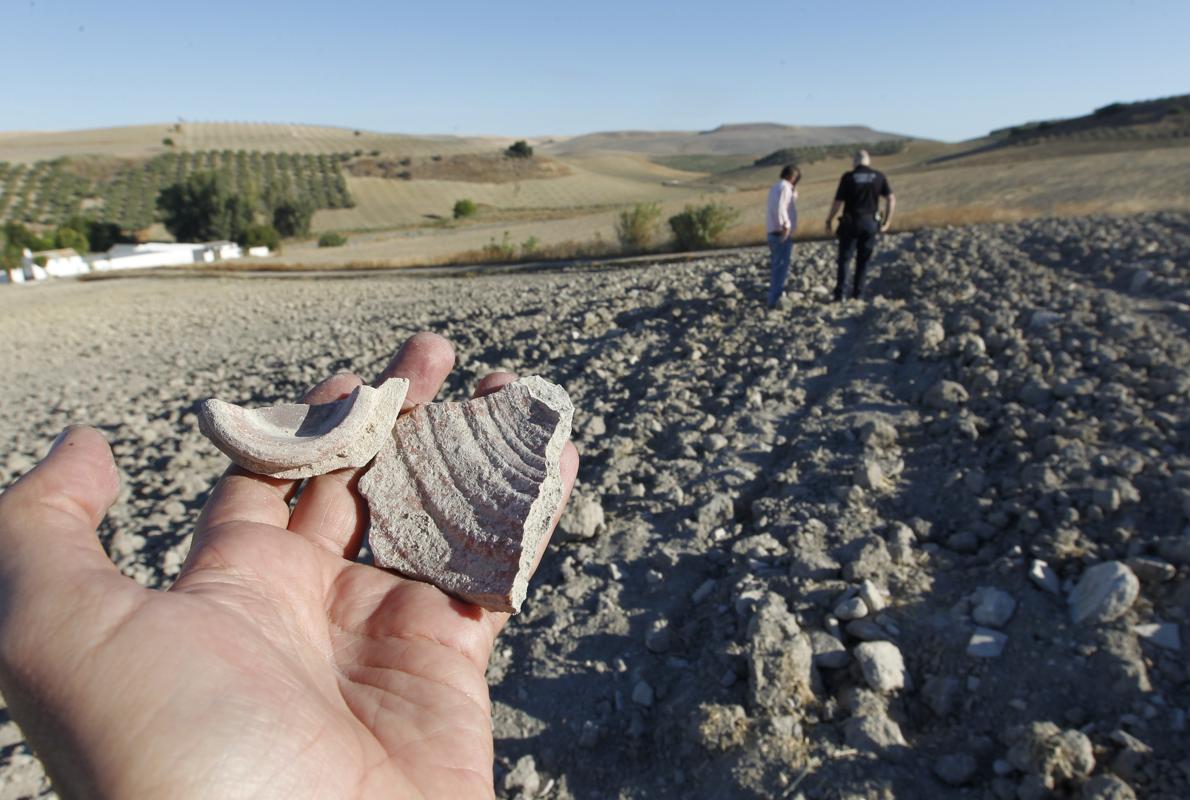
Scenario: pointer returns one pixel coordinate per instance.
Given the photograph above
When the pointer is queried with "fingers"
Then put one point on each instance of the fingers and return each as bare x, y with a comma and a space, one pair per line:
48, 518
425, 359
492, 383
330, 512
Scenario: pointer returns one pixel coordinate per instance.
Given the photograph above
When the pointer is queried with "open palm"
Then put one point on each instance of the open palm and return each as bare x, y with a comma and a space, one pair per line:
275, 666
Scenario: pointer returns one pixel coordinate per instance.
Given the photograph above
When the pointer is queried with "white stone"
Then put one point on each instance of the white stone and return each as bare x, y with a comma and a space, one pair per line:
993, 607
1104, 592
1044, 577
986, 643
882, 665
851, 608
872, 596
1162, 634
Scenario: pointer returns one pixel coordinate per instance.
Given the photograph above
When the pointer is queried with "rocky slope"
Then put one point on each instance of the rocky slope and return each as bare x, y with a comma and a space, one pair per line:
933, 544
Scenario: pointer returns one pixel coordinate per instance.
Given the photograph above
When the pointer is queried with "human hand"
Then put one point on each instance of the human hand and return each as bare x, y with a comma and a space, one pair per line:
828, 226
885, 226
274, 667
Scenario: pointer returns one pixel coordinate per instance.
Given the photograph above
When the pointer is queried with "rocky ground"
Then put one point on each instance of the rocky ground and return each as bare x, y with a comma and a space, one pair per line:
931, 544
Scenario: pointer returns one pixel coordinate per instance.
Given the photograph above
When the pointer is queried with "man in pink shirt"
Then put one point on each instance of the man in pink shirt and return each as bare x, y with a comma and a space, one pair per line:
781, 222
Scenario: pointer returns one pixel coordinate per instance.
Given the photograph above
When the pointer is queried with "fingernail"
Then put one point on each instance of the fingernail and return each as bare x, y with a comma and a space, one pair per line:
61, 437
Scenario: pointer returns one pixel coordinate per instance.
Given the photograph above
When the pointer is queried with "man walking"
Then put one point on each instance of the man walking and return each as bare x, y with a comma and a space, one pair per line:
859, 196
781, 221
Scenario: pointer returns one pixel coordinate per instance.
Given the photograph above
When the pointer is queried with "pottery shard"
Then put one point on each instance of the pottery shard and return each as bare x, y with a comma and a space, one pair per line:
300, 441
462, 494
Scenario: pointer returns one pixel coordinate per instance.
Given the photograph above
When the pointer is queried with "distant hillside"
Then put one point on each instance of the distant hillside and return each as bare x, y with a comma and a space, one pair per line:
808, 155
146, 141
750, 139
1167, 117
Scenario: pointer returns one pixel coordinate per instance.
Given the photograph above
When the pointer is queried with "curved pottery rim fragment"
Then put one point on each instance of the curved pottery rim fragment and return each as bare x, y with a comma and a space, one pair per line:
462, 494
296, 440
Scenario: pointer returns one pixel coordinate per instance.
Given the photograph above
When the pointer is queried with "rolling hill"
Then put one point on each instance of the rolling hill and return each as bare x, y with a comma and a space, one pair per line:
746, 139
393, 194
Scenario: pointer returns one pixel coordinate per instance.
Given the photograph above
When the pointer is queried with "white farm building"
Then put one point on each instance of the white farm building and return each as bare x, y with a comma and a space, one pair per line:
66, 263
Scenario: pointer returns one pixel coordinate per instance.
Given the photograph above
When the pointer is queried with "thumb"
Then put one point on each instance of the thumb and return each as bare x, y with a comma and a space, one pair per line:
48, 518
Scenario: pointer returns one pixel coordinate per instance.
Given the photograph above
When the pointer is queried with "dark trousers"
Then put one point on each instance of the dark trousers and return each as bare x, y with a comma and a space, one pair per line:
856, 238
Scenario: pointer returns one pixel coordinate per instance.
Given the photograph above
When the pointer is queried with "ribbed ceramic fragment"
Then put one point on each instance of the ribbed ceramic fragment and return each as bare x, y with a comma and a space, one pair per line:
463, 493
301, 441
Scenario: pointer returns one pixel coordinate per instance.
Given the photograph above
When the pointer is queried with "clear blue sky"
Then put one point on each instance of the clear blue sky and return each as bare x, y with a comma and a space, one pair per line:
947, 70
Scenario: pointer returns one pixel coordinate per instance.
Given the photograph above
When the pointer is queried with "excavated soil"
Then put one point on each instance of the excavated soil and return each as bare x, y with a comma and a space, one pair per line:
822, 552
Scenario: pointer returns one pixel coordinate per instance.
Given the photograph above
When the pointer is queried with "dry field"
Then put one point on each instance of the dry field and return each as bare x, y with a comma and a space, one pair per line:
953, 193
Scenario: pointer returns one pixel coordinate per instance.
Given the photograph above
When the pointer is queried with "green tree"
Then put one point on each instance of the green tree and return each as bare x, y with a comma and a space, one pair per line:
203, 208
637, 226
520, 149
291, 217
102, 235
465, 208
10, 254
18, 236
700, 227
332, 239
14, 239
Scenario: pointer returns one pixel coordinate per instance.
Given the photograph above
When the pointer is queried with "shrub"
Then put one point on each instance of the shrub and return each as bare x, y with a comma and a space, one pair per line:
637, 227
465, 208
530, 245
699, 228
332, 239
503, 250
520, 149
168, 142
71, 238
261, 235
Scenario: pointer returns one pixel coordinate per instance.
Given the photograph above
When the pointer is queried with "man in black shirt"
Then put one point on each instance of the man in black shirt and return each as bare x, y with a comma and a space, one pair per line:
859, 196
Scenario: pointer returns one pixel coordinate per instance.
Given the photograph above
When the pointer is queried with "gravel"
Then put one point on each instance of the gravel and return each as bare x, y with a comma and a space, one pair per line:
1006, 413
